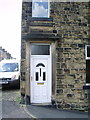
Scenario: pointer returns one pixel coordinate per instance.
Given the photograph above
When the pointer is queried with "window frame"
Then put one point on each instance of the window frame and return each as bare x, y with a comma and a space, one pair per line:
42, 16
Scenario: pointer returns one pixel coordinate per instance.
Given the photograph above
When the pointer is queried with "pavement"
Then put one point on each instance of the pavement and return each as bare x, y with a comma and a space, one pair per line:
53, 113
10, 108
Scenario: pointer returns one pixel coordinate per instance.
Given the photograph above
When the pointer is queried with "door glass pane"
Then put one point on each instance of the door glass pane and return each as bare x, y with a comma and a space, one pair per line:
40, 72
37, 76
40, 64
40, 8
44, 76
40, 50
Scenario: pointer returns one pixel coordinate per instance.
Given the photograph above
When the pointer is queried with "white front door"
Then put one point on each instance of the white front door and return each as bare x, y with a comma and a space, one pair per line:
40, 79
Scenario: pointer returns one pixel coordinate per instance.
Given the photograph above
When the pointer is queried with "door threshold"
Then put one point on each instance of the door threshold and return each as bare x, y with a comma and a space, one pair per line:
41, 104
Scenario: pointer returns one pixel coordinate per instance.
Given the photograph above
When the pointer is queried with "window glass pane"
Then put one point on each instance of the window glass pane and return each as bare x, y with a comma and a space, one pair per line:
88, 51
87, 71
40, 50
40, 8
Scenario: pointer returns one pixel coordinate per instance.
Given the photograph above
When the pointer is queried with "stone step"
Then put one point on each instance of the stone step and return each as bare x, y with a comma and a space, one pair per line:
42, 104
48, 105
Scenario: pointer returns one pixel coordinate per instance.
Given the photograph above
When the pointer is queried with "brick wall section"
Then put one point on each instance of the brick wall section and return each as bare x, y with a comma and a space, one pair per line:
72, 24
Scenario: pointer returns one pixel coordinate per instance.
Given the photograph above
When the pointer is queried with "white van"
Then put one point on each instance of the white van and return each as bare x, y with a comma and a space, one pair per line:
9, 72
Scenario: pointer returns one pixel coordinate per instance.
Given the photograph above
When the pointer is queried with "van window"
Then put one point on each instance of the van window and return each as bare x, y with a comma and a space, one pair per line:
8, 67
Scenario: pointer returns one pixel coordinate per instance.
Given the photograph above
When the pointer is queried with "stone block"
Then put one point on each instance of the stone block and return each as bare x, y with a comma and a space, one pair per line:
67, 71
59, 91
60, 76
70, 86
67, 49
66, 55
60, 71
77, 81
23, 76
69, 95
68, 105
23, 54
58, 65
59, 59
63, 65
70, 77
74, 71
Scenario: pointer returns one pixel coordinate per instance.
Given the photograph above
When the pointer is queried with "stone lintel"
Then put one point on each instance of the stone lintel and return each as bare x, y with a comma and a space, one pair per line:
40, 36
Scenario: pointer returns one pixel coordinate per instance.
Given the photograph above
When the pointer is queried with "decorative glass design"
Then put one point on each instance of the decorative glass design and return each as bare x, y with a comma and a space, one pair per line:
37, 76
40, 64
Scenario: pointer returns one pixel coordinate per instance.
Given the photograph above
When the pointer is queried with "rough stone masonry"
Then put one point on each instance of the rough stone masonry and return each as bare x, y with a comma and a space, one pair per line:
71, 24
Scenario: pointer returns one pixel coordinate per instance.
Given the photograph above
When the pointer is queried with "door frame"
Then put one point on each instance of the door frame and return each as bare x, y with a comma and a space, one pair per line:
50, 66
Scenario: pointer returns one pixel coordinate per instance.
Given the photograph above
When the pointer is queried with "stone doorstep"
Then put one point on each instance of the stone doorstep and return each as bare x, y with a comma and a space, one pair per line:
42, 104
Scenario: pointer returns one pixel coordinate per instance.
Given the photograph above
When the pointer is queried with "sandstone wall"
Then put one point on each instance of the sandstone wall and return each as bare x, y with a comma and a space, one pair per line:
70, 21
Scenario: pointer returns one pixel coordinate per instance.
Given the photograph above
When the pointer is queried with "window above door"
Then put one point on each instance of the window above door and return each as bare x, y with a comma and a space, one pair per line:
40, 49
40, 8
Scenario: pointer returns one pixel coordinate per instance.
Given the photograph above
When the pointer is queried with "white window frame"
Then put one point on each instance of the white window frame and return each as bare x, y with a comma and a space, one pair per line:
87, 58
48, 8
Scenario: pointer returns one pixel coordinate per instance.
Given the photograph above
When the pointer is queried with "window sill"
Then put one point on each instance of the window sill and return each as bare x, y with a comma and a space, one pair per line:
40, 19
